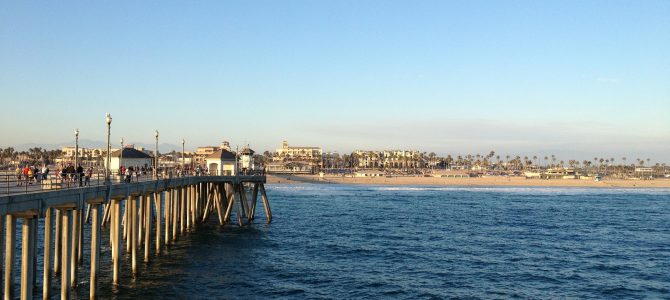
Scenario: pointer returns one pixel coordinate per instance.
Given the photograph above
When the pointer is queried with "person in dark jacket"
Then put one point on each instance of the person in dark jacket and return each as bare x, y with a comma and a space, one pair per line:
80, 174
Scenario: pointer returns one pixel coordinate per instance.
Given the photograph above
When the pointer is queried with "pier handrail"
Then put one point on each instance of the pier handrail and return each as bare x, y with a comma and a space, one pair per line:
11, 184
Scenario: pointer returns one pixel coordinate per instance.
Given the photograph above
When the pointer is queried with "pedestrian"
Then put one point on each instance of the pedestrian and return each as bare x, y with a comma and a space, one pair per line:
26, 169
127, 174
19, 173
80, 174
71, 172
45, 172
89, 172
36, 173
31, 175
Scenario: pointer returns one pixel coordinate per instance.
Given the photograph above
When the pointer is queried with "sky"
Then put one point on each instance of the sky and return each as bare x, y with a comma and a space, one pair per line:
573, 78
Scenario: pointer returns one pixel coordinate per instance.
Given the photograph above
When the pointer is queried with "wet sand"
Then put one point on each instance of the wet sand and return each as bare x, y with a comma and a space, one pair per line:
481, 181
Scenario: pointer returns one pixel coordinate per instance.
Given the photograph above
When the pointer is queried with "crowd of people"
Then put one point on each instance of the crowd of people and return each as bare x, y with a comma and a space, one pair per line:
68, 175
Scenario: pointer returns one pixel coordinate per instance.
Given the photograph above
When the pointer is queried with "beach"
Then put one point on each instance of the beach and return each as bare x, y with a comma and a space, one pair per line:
474, 181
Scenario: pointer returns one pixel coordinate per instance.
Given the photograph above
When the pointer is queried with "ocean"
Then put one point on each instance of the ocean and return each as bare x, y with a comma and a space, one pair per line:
355, 241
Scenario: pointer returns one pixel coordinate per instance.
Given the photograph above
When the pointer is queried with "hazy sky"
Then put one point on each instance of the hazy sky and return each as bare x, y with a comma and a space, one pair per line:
582, 78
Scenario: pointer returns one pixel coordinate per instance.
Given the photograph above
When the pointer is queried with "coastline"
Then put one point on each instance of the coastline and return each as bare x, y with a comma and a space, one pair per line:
477, 181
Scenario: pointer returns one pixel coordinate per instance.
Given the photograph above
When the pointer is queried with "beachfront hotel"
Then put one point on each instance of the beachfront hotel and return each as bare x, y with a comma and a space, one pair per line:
297, 152
295, 159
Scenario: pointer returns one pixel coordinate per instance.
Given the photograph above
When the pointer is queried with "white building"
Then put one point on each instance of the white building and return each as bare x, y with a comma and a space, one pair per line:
221, 163
131, 158
247, 159
298, 153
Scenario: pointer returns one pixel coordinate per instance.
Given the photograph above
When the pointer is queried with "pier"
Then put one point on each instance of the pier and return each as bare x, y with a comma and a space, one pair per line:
141, 217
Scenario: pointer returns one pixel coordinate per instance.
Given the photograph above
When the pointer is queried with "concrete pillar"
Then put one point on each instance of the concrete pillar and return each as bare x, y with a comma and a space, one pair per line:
27, 240
46, 278
116, 238
10, 238
182, 208
33, 250
128, 224
174, 210
95, 249
132, 235
147, 226
74, 248
167, 214
140, 218
254, 197
66, 245
80, 254
266, 204
159, 237
57, 240
189, 199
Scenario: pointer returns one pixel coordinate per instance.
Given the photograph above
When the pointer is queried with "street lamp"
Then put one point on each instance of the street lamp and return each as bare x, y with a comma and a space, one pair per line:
183, 163
108, 118
121, 157
156, 158
76, 147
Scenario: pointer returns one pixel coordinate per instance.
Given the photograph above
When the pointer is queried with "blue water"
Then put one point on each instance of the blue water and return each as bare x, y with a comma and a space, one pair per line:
343, 241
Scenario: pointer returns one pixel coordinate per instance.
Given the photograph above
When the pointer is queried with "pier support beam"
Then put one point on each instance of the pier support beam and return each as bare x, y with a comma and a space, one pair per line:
74, 248
95, 249
10, 238
167, 215
157, 203
66, 244
132, 235
116, 239
189, 206
147, 226
182, 208
57, 240
254, 198
27, 272
266, 204
46, 279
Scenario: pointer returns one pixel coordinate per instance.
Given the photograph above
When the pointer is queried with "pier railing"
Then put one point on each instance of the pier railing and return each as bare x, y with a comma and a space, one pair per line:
13, 184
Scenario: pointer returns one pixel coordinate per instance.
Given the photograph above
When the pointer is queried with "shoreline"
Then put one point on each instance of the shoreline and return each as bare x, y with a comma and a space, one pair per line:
476, 181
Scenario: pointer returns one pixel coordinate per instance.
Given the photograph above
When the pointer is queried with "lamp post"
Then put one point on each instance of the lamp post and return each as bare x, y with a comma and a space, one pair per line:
76, 147
156, 158
183, 163
108, 118
121, 155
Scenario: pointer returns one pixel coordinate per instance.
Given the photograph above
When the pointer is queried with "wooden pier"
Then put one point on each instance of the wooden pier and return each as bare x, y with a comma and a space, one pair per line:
138, 216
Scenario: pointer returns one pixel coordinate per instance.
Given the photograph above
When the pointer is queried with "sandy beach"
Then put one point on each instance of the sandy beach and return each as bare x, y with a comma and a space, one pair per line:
480, 181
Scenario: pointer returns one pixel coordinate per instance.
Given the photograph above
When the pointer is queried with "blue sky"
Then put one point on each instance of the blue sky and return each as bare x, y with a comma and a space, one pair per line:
577, 78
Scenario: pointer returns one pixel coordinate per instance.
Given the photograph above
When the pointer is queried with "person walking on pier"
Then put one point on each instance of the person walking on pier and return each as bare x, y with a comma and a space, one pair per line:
80, 174
71, 173
19, 173
127, 175
45, 172
87, 177
26, 170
